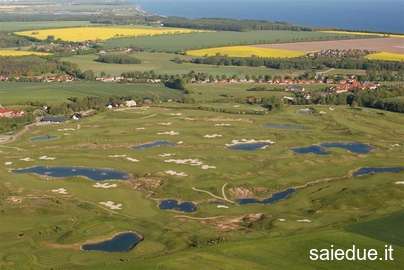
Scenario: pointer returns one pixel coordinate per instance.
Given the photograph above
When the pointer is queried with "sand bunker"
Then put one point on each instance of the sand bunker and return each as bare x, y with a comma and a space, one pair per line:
46, 158
166, 155
27, 159
60, 191
140, 128
8, 163
222, 125
165, 124
222, 206
212, 136
174, 173
235, 142
399, 183
304, 220
111, 205
105, 185
191, 162
175, 114
170, 133
125, 157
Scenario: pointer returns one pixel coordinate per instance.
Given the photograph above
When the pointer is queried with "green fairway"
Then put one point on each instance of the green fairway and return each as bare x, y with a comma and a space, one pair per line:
315, 216
22, 93
185, 42
388, 229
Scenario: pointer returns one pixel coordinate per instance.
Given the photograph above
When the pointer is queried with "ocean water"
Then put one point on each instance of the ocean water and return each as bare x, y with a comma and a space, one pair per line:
375, 15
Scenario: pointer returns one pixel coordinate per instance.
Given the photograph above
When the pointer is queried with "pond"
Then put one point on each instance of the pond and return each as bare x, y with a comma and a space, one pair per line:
321, 149
43, 138
276, 197
186, 207
153, 144
122, 242
249, 146
285, 126
375, 170
90, 173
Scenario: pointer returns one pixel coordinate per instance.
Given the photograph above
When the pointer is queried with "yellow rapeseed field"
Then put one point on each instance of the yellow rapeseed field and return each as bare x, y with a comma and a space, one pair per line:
246, 51
364, 34
20, 53
79, 34
386, 56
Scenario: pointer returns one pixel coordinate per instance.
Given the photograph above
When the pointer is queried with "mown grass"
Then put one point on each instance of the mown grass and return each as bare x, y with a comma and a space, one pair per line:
44, 219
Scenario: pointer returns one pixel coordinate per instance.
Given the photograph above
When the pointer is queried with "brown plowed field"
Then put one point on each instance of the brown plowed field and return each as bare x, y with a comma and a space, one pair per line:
392, 45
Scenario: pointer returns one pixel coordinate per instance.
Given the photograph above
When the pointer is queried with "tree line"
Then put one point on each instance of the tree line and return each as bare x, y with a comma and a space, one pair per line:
302, 63
219, 24
118, 59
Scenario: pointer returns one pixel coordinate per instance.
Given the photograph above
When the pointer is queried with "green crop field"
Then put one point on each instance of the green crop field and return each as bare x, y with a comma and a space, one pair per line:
22, 93
161, 63
21, 26
42, 229
185, 42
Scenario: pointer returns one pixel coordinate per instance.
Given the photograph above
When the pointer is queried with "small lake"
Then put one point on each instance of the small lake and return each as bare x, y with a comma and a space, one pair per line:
186, 207
285, 126
153, 145
376, 170
249, 146
62, 172
44, 138
122, 242
276, 197
321, 149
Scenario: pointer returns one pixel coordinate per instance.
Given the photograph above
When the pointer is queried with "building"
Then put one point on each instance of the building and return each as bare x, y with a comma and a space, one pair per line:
7, 113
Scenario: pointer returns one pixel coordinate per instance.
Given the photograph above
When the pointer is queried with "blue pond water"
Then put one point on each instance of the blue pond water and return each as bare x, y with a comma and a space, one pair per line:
375, 170
249, 146
357, 148
271, 200
43, 138
284, 126
60, 172
153, 144
313, 149
123, 242
187, 207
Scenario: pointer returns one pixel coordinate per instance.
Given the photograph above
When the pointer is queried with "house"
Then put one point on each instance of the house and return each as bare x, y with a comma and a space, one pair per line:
130, 103
7, 113
295, 89
52, 119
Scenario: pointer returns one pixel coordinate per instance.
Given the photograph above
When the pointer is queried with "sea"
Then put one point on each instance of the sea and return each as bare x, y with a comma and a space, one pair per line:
372, 15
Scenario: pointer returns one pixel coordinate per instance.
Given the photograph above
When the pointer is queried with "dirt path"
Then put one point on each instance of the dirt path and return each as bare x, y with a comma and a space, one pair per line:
12, 138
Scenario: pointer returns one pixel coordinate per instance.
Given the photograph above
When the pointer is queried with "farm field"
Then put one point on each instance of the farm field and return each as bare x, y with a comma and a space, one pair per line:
203, 93
162, 63
178, 43
387, 56
85, 33
16, 53
364, 33
21, 26
392, 45
55, 224
22, 93
246, 51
